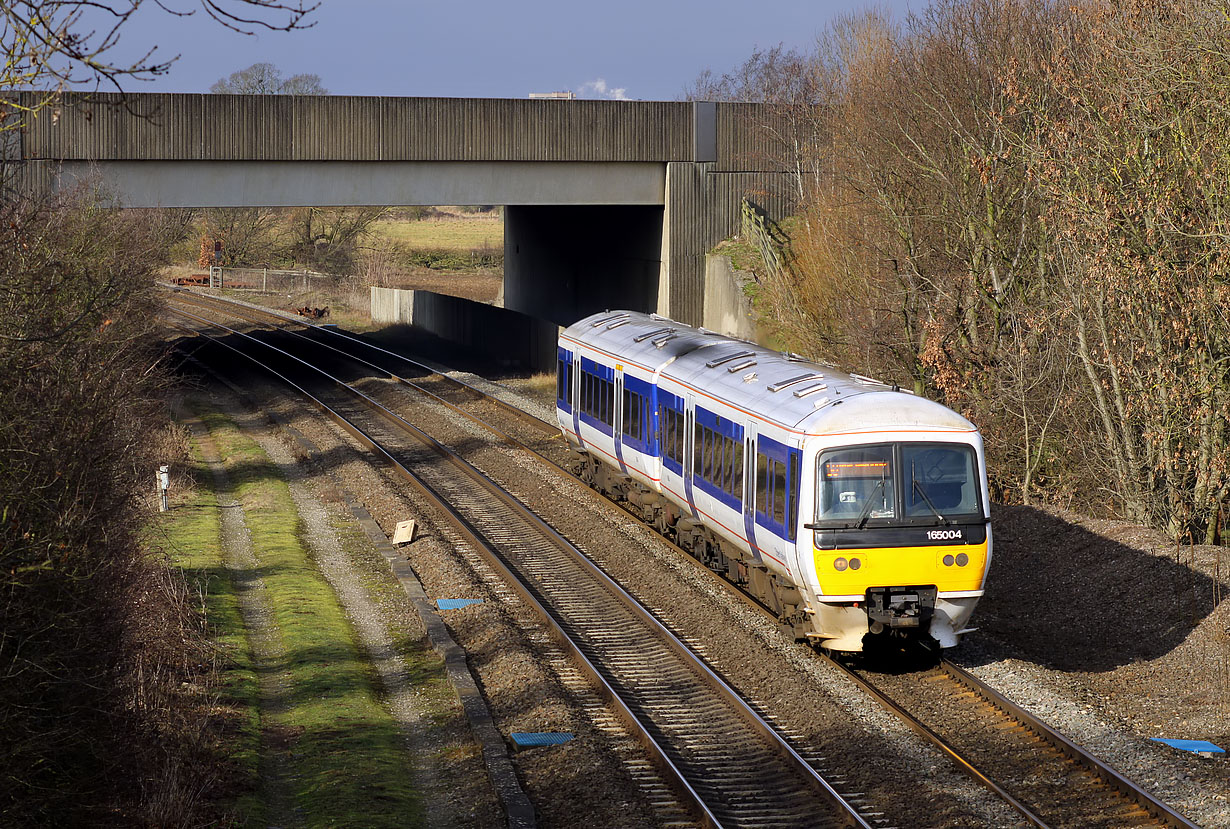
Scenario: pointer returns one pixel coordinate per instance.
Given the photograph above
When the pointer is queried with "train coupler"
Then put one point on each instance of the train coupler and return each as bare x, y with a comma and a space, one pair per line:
893, 608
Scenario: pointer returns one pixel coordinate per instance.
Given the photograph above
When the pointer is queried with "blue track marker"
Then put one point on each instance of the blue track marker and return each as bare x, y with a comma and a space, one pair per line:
532, 739
453, 604
1195, 746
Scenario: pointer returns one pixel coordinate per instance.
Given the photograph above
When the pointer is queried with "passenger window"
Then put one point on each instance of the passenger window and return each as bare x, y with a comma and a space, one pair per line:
779, 491
762, 484
792, 497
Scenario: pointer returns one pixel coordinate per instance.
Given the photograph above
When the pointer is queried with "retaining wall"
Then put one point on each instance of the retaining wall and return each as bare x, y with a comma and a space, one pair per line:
728, 310
508, 337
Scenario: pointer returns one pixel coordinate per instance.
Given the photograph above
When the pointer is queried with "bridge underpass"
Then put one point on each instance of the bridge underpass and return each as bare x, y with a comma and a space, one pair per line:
608, 203
568, 262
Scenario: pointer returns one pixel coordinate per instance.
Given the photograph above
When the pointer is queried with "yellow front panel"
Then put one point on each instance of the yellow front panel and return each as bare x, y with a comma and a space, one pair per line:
886, 566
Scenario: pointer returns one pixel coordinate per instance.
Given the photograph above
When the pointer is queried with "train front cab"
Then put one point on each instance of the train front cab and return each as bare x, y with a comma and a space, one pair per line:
900, 539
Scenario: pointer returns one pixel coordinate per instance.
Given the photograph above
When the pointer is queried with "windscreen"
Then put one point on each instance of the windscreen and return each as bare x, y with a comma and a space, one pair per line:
903, 483
939, 480
856, 485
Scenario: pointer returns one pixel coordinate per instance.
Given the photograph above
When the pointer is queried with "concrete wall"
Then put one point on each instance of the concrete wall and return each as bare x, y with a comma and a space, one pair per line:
564, 263
346, 183
136, 126
508, 337
728, 310
703, 204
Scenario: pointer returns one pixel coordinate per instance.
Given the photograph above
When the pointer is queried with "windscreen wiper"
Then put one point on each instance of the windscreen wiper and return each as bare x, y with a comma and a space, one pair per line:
862, 516
919, 489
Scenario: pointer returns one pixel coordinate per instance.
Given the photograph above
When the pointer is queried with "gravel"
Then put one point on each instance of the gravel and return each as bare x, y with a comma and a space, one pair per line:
1114, 636
1105, 629
528, 685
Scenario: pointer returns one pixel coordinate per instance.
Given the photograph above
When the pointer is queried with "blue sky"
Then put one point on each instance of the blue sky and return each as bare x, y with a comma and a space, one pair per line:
640, 49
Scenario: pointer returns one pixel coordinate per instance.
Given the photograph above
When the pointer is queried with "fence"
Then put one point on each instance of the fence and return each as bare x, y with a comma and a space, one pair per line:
266, 280
767, 235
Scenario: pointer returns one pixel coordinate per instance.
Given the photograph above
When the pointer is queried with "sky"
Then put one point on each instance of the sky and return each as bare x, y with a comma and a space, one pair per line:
635, 49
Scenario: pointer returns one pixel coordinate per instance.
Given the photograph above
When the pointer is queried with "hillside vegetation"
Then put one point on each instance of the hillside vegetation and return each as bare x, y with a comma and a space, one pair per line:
1022, 209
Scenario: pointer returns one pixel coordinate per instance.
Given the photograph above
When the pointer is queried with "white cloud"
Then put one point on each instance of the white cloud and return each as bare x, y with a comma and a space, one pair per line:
598, 89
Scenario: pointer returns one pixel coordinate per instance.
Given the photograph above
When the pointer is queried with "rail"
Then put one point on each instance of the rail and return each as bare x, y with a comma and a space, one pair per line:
687, 748
1102, 771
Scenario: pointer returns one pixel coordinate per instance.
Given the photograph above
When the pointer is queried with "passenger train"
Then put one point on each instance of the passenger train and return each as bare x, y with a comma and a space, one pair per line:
856, 511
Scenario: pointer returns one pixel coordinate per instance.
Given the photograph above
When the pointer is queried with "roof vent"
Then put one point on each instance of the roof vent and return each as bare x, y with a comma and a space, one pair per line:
665, 338
618, 323
609, 318
783, 384
640, 338
741, 365
717, 361
803, 392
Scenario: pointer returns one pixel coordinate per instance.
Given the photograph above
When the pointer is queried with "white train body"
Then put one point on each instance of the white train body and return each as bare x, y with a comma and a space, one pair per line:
849, 507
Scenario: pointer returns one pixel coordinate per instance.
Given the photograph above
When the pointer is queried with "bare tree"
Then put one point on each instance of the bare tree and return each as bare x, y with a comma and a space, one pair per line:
1135, 164
325, 238
49, 45
266, 79
1023, 209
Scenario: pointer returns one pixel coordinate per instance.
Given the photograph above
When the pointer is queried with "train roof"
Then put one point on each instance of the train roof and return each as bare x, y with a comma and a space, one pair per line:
783, 388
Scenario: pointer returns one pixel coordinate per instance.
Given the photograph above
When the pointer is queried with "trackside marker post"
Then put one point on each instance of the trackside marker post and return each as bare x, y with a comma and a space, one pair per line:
164, 484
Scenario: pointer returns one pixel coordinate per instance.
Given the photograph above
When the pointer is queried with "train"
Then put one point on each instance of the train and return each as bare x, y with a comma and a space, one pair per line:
856, 511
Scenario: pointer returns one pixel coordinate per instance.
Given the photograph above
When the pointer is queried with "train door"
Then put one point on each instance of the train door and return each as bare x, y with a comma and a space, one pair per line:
689, 452
617, 417
749, 488
576, 395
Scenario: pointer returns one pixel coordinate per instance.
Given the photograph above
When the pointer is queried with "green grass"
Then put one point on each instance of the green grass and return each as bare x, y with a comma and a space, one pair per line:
193, 531
347, 765
744, 256
454, 233
424, 667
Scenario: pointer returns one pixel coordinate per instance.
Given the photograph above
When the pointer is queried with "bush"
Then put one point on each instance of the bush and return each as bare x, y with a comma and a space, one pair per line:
98, 639
443, 259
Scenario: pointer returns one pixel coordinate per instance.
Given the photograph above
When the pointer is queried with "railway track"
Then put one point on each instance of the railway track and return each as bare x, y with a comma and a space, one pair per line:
724, 762
1047, 779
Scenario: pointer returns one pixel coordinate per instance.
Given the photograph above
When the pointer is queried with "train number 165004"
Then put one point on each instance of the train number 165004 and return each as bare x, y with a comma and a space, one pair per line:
943, 535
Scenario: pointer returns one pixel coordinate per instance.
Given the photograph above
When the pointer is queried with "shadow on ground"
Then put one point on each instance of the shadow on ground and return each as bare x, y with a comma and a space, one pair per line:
1062, 596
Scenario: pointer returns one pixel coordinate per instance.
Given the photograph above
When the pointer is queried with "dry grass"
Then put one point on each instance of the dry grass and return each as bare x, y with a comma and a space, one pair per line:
459, 232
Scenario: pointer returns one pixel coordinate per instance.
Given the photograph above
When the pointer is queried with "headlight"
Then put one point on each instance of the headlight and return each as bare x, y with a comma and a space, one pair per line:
962, 559
948, 560
840, 564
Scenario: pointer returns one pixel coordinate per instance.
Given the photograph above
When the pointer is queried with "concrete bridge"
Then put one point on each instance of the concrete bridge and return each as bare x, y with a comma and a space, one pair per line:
608, 203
